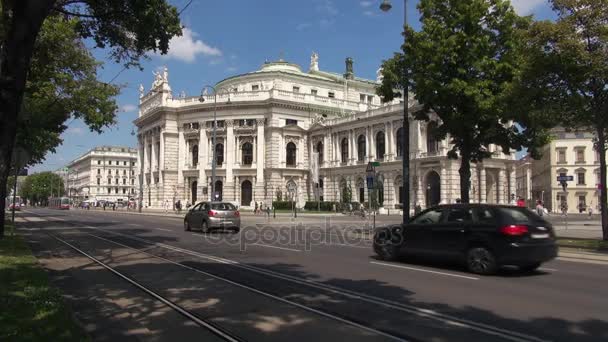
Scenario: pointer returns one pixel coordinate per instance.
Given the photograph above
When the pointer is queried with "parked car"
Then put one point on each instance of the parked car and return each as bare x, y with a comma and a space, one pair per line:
483, 237
213, 215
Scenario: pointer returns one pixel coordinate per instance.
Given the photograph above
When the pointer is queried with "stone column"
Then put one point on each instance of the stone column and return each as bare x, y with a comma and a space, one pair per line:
230, 149
502, 188
372, 144
325, 151
483, 191
419, 141
512, 182
162, 154
152, 158
181, 147
445, 195
528, 193
387, 141
260, 162
351, 154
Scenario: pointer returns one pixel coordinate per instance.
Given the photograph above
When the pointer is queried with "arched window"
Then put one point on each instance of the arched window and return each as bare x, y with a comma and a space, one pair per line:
320, 150
291, 154
400, 138
380, 145
247, 150
219, 154
432, 145
361, 148
344, 150
194, 155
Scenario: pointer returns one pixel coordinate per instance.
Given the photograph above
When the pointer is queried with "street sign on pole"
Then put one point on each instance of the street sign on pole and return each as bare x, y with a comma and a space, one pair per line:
565, 178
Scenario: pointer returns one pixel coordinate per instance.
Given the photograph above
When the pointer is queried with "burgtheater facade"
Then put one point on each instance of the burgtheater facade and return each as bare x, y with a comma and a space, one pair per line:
269, 124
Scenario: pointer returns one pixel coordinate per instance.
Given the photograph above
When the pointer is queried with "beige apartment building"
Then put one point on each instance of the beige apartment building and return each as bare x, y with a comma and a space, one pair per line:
568, 154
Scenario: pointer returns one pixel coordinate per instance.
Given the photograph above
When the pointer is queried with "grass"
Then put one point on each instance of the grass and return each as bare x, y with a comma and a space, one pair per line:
591, 244
30, 309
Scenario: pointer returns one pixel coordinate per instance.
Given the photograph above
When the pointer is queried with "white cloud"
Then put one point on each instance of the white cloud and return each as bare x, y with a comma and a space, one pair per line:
186, 47
128, 108
327, 7
303, 26
365, 3
215, 61
231, 69
233, 56
525, 7
370, 13
75, 131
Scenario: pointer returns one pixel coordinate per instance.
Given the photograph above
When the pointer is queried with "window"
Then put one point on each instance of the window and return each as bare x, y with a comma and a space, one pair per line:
255, 87
109, 180
109, 172
362, 98
132, 172
428, 217
291, 154
380, 145
580, 156
485, 216
361, 148
194, 155
580, 178
109, 190
98, 171
109, 162
99, 162
344, 150
432, 145
331, 94
124, 181
370, 99
313, 92
98, 181
460, 215
124, 172
516, 215
116, 181
291, 122
561, 156
115, 190
132, 181
133, 164
320, 151
219, 154
582, 202
124, 163
400, 142
124, 191
247, 150
246, 122
296, 89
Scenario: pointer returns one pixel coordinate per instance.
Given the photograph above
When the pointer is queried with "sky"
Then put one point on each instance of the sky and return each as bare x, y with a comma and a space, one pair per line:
227, 38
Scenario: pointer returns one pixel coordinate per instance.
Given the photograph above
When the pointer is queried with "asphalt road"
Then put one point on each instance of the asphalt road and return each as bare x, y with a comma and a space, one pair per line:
282, 281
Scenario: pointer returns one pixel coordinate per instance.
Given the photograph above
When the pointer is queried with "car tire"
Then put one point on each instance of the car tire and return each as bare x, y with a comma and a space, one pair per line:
236, 230
385, 249
205, 227
481, 260
186, 226
529, 267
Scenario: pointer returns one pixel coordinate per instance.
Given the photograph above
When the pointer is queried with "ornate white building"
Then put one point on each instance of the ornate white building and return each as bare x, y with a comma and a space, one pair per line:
270, 122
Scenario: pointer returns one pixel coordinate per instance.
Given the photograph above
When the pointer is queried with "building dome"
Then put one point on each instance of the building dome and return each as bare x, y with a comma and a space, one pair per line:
281, 65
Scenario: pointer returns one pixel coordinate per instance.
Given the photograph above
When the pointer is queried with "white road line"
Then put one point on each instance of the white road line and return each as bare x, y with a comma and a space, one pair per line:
164, 230
584, 261
277, 247
134, 224
548, 269
423, 270
197, 234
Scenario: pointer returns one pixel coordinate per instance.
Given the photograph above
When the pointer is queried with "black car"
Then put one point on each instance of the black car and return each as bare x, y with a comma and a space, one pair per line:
484, 237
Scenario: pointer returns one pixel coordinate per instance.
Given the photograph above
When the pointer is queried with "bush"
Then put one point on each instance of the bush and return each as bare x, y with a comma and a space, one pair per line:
282, 205
314, 205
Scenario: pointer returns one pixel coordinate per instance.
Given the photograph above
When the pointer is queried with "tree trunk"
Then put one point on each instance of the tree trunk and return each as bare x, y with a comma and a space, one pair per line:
465, 176
601, 149
22, 20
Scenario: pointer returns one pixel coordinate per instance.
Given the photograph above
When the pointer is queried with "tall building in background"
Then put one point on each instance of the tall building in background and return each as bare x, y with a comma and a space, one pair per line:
103, 173
269, 124
568, 154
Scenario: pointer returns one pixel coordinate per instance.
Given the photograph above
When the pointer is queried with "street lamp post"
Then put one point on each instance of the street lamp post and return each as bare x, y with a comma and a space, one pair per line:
405, 143
201, 99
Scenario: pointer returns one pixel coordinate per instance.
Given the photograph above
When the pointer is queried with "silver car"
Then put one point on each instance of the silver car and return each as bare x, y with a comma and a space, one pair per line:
213, 215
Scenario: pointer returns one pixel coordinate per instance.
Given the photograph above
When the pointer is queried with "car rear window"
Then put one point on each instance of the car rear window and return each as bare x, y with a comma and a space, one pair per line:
518, 215
223, 206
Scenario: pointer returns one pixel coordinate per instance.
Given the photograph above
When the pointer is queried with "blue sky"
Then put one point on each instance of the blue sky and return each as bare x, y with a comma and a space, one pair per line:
224, 38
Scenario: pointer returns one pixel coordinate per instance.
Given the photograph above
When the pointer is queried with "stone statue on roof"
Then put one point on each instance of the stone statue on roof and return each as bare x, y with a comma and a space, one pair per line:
314, 62
141, 90
165, 76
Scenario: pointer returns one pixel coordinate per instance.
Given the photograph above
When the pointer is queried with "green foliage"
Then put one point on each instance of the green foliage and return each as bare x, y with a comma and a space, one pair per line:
347, 193
62, 84
314, 206
282, 205
10, 184
461, 64
40, 186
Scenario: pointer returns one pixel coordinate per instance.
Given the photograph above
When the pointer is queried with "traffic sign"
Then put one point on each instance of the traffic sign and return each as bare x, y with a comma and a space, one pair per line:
565, 178
370, 167
370, 182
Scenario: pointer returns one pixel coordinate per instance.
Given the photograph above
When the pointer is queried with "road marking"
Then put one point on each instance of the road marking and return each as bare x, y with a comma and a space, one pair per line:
197, 234
423, 270
277, 247
134, 224
584, 261
164, 230
547, 269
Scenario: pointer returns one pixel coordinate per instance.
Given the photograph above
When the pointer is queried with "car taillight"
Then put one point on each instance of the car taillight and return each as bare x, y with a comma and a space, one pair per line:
237, 214
211, 213
514, 230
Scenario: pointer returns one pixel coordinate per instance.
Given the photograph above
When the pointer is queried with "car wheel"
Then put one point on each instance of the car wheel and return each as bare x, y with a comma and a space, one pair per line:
186, 226
384, 247
481, 261
530, 267
205, 227
236, 230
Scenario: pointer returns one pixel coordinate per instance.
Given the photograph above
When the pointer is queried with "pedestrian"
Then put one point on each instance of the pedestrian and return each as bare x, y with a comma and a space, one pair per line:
513, 201
114, 206
539, 208
255, 209
268, 212
590, 210
166, 206
581, 208
564, 208
417, 209
178, 206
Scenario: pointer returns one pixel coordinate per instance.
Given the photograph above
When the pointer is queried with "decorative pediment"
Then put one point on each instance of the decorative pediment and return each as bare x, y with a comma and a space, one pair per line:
291, 138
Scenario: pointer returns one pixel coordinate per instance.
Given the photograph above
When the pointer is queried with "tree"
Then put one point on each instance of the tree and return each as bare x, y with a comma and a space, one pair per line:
460, 65
564, 76
128, 29
40, 186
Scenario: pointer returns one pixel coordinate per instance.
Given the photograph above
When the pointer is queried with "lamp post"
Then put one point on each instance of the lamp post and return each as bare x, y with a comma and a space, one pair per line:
405, 143
201, 99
